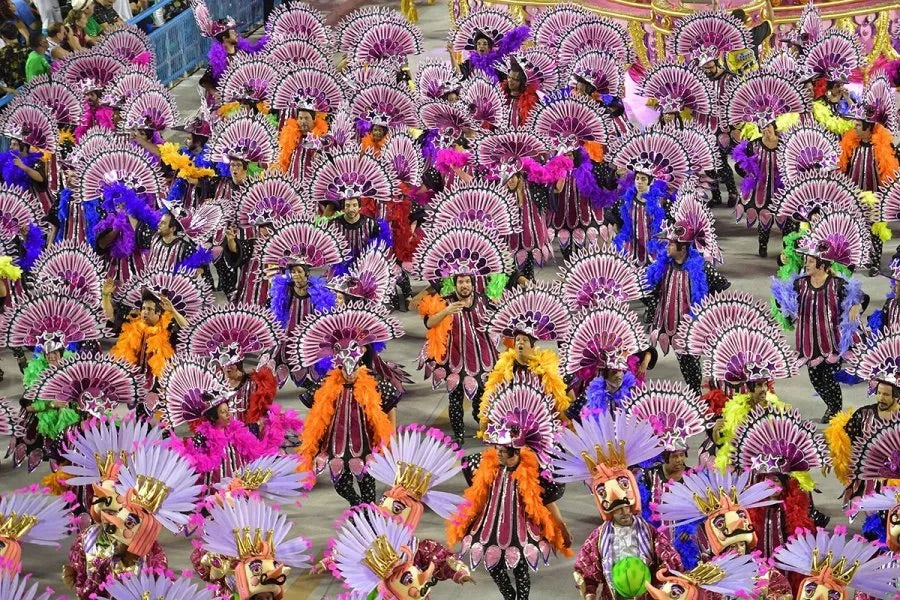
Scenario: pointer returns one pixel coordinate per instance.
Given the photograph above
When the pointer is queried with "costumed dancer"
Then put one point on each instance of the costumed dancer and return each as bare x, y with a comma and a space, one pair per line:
380, 110
405, 213
683, 276
756, 156
148, 113
347, 421
829, 63
245, 142
597, 75
225, 41
682, 94
602, 453
29, 516
21, 237
882, 523
487, 35
519, 87
89, 73
247, 84
156, 585
229, 335
35, 135
825, 306
291, 20
437, 80
449, 129
194, 176
366, 46
730, 575
511, 519
888, 316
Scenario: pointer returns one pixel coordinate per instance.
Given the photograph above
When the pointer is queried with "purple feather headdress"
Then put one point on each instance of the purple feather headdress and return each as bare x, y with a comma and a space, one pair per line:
33, 124
153, 109
307, 88
807, 149
522, 415
388, 41
193, 385
657, 153
31, 516
298, 20
707, 35
702, 492
273, 478
551, 23
304, 242
601, 71
436, 78
673, 409
22, 587
96, 384
762, 97
704, 324
120, 165
536, 311
248, 137
148, 584
449, 121
596, 273
835, 56
93, 450
18, 209
815, 194
838, 237
51, 321
248, 79
675, 88
596, 33
602, 337
489, 204
346, 175
418, 460
485, 102
779, 441
878, 456
64, 104
293, 52
229, 333
745, 353
568, 123
381, 104
461, 249
266, 200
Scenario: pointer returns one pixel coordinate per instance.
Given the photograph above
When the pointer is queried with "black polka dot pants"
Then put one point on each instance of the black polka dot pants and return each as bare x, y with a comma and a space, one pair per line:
876, 250
527, 268
345, 489
456, 409
690, 370
822, 379
763, 232
523, 580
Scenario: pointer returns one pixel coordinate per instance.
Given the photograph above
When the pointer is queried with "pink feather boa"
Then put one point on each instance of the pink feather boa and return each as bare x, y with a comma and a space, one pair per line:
448, 159
556, 168
100, 115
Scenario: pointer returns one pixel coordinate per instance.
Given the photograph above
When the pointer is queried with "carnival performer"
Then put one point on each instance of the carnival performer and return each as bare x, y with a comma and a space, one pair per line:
89, 74
194, 175
245, 143
596, 74
829, 63
159, 585
22, 238
511, 519
729, 575
29, 516
34, 134
682, 94
226, 43
487, 35
519, 91
881, 523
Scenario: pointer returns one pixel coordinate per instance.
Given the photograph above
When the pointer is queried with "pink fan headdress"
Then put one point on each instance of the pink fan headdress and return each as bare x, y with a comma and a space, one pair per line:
348, 175
192, 386
838, 237
839, 561
360, 20
535, 311
493, 23
693, 224
247, 137
703, 325
91, 71
204, 224
153, 109
32, 124
602, 337
890, 204
63, 103
404, 159
783, 62
834, 56
701, 145
127, 84
808, 29
807, 149
461, 249
596, 33
704, 36
485, 102
342, 334
18, 210
387, 41
156, 585
371, 277
381, 104
601, 71
187, 294
273, 478
879, 94
595, 274
744, 354
357, 77
676, 88
507, 149
538, 65
128, 42
418, 460
97, 384
703, 492
307, 88
657, 153
672, 408
292, 52
51, 321
227, 334
878, 455
813, 195
94, 451
248, 79
570, 122
266, 200
554, 21
436, 78
779, 441
878, 358
450, 121
522, 415
30, 517
300, 20
118, 164
71, 269
762, 97
485, 203
205, 23
304, 242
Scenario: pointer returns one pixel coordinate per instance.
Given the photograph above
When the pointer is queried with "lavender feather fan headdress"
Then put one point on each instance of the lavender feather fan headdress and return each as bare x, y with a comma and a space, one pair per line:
890, 203
248, 137
807, 149
675, 88
734, 575
878, 456
248, 79
51, 321
779, 441
701, 145
815, 194
65, 106
878, 358
834, 56
838, 237
346, 175
22, 587
568, 123
702, 492
32, 124
884, 500
388, 41
596, 33
92, 70
693, 224
535, 311
554, 21
149, 585
95, 449
227, 334
507, 149
762, 97
706, 320
292, 52
304, 242
307, 88
381, 104
118, 165
360, 20
153, 109
32, 517
485, 102
404, 159
673, 409
273, 478
418, 460
128, 42
205, 23
436, 78
461, 249
782, 62
489, 204
193, 385
744, 354
600, 70
602, 337
704, 36
840, 560
657, 153
265, 200
300, 20
492, 23
187, 294
97, 384
127, 84
594, 274
449, 121
18, 209
539, 66
520, 414
879, 94
371, 278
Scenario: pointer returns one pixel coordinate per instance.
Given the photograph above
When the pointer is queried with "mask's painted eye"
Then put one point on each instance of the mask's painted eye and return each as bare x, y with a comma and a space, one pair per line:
406, 578
255, 567
623, 482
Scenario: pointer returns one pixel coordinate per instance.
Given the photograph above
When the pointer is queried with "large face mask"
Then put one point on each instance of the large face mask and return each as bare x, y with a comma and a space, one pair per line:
407, 581
672, 588
730, 526
123, 526
820, 588
614, 488
893, 529
105, 501
264, 575
395, 507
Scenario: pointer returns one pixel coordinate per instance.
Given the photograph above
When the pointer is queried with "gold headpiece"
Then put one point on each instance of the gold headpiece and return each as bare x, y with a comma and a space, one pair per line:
412, 478
705, 574
14, 526
840, 572
146, 596
381, 557
253, 545
613, 457
254, 478
713, 502
150, 493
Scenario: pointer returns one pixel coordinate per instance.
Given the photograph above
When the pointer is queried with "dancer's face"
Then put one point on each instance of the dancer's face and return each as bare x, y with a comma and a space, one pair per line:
885, 397
463, 286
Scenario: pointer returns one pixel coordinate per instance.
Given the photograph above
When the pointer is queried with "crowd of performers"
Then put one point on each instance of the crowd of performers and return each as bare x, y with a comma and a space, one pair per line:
157, 295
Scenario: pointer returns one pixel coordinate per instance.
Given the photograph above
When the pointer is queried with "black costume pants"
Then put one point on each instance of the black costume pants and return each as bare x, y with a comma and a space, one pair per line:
344, 487
523, 580
690, 370
456, 408
822, 378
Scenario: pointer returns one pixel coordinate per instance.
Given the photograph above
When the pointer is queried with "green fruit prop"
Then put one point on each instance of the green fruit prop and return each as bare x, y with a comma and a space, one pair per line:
628, 577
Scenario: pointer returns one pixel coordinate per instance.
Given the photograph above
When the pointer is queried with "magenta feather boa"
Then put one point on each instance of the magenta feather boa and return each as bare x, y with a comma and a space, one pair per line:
123, 246
449, 158
556, 168
99, 115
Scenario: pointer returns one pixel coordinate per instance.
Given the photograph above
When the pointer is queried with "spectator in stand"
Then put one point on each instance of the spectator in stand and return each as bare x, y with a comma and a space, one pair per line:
92, 28
106, 15
12, 58
56, 40
49, 11
36, 63
9, 13
76, 34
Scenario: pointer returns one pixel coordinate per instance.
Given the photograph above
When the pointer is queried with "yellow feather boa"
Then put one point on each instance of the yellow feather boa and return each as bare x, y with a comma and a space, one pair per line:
9, 270
159, 347
181, 164
823, 115
839, 445
545, 365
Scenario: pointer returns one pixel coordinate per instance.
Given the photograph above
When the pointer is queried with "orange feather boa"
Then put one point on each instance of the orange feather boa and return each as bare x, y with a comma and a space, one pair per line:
527, 480
368, 143
289, 138
159, 347
594, 150
318, 421
437, 337
885, 161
